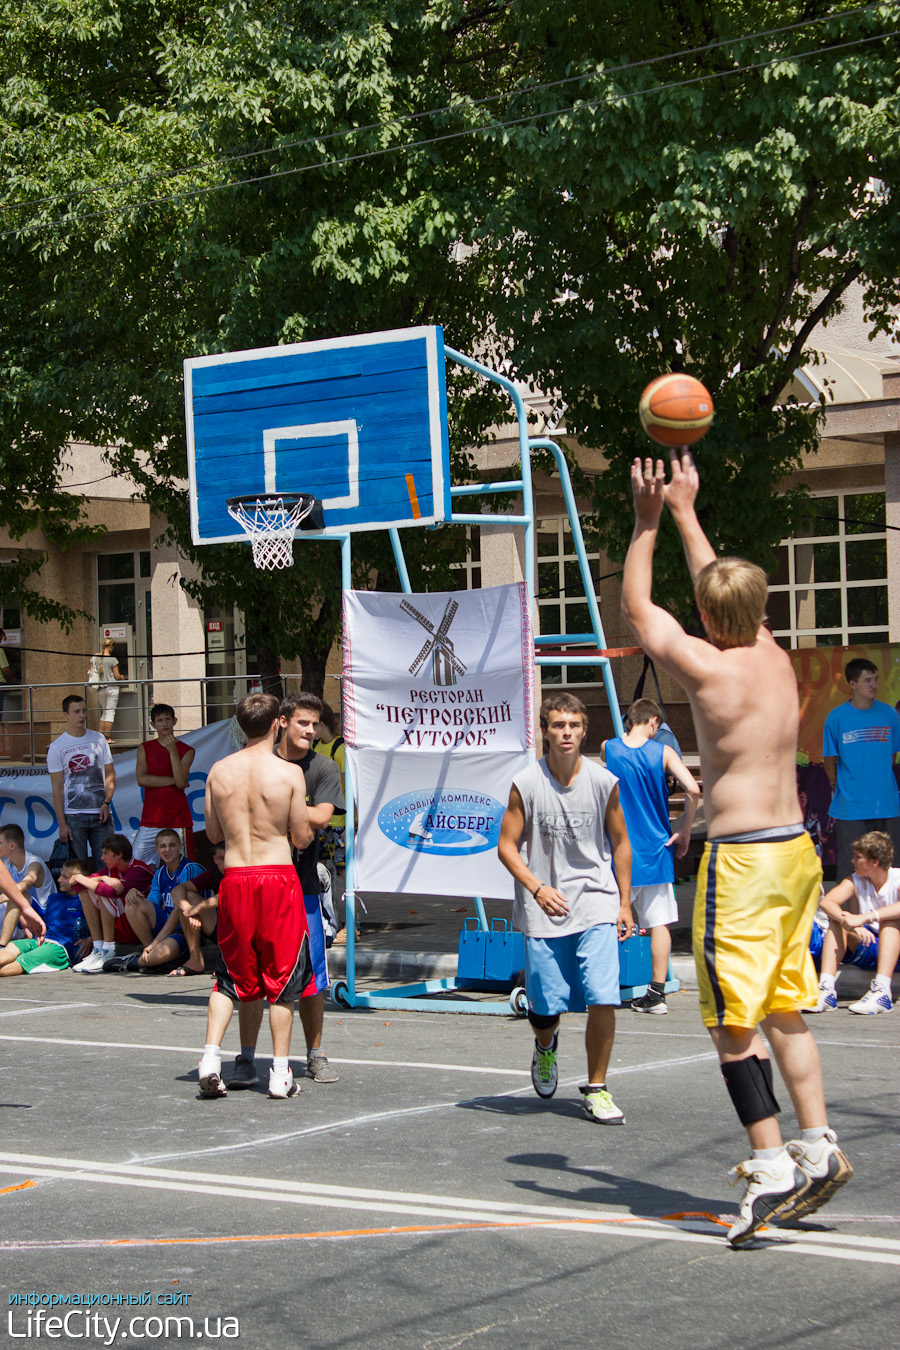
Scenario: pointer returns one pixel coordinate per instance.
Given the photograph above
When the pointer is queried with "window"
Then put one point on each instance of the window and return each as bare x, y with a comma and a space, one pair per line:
11, 625
830, 585
562, 607
468, 571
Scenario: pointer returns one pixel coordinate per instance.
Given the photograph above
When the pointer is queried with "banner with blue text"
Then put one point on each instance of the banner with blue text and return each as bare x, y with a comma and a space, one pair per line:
438, 719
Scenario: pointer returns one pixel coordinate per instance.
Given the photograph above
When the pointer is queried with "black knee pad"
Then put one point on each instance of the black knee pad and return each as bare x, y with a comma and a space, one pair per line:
749, 1083
541, 1022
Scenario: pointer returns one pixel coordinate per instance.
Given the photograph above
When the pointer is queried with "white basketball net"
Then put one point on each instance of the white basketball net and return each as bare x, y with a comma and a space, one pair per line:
270, 523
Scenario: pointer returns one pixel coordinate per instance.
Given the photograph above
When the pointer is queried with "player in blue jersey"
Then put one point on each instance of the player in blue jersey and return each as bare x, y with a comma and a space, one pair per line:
168, 943
641, 763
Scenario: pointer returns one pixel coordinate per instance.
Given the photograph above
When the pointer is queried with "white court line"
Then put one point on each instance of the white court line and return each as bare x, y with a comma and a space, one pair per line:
196, 1050
884, 1251
47, 1007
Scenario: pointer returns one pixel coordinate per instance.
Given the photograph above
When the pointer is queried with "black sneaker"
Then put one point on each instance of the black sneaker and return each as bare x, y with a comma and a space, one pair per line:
651, 1002
118, 965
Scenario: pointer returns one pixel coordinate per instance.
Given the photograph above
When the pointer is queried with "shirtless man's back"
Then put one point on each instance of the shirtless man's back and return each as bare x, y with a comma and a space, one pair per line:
258, 806
759, 878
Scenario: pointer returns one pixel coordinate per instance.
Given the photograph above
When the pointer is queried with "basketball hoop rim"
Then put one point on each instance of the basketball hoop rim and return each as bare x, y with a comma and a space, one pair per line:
270, 500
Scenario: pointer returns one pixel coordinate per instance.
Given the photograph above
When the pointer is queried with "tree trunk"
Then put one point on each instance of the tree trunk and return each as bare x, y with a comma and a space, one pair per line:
270, 673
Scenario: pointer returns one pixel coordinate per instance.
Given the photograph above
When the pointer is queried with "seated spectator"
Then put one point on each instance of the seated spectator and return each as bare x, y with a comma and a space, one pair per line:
65, 925
863, 928
30, 919
162, 769
197, 901
30, 873
166, 943
115, 905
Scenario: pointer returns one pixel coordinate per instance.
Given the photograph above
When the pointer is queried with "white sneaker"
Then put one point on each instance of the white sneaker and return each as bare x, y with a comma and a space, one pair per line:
282, 1084
93, 964
827, 1002
773, 1184
827, 1168
875, 1000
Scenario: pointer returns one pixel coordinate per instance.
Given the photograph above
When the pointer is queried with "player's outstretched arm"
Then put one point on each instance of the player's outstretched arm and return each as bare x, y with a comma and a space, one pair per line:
680, 496
659, 633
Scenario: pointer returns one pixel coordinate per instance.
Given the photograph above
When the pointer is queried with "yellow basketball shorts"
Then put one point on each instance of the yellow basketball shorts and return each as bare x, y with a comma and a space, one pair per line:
753, 914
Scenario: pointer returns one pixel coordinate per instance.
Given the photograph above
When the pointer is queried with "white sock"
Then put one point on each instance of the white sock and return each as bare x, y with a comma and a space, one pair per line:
280, 1064
827, 981
882, 982
767, 1154
211, 1061
814, 1134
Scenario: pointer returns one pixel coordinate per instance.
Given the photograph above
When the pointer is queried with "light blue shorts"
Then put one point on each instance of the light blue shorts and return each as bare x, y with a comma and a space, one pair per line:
570, 974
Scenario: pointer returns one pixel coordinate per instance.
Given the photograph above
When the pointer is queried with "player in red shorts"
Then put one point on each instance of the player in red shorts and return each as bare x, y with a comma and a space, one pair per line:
257, 804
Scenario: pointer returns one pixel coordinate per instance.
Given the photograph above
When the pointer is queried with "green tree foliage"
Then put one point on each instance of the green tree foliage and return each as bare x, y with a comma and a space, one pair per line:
704, 212
184, 180
170, 192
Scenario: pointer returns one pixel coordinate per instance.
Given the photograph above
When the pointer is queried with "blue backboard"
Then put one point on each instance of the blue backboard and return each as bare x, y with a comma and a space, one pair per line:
360, 422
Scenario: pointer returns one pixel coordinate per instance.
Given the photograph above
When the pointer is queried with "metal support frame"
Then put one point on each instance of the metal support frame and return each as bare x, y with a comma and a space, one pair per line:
415, 996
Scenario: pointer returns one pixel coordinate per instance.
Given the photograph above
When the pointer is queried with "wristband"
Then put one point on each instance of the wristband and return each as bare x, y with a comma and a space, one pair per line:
538, 887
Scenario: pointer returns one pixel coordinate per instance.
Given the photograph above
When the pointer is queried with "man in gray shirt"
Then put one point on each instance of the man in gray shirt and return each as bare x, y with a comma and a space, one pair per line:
562, 833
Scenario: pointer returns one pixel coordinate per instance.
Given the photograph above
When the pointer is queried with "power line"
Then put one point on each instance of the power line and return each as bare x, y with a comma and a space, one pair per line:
186, 195
447, 108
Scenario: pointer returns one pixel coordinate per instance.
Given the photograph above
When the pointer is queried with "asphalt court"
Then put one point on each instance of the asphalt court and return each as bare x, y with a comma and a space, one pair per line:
427, 1199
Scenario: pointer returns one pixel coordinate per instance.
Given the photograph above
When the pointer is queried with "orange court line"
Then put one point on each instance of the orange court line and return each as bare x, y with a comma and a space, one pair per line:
396, 1231
22, 1186
413, 498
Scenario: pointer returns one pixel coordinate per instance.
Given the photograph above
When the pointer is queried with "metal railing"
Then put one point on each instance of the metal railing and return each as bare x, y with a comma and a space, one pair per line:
32, 713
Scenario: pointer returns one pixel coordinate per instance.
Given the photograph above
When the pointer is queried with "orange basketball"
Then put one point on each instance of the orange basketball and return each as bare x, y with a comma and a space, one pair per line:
675, 410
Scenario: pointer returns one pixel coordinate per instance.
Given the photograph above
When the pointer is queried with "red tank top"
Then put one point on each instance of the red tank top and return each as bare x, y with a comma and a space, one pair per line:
164, 805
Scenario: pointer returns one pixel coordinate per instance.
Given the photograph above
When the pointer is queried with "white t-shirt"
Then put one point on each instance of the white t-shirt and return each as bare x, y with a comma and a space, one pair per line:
36, 894
81, 759
870, 897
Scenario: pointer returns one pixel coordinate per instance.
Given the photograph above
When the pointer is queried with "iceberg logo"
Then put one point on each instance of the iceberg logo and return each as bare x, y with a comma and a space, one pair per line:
451, 823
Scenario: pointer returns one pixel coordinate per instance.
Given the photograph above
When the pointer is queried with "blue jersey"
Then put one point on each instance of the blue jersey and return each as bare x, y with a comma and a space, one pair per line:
645, 804
65, 920
865, 742
164, 881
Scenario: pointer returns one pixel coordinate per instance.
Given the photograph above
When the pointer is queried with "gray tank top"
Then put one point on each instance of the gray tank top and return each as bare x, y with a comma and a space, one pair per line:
565, 845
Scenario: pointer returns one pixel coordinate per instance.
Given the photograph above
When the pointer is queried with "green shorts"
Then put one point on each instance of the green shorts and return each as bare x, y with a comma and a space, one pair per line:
33, 953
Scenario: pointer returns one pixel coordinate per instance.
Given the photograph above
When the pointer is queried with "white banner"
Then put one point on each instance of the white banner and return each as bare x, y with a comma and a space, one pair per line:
26, 798
438, 718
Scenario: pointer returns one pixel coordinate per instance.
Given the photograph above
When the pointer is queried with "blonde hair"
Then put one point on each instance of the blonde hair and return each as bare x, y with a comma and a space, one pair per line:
732, 594
107, 644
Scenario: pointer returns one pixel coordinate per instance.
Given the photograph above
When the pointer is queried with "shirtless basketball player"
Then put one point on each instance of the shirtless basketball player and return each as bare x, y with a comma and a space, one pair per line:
254, 801
759, 877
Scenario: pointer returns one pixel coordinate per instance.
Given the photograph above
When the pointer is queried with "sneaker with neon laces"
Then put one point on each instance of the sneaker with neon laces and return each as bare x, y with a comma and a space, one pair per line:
93, 964
544, 1073
826, 1002
773, 1185
282, 1085
318, 1068
875, 1000
244, 1074
600, 1106
827, 1169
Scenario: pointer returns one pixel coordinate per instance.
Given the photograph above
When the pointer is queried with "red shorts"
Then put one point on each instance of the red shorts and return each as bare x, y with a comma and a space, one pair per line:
263, 935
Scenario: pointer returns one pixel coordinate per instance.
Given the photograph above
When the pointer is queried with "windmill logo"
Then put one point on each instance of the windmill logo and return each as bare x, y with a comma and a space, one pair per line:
446, 665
